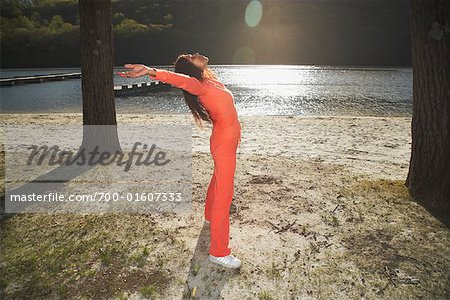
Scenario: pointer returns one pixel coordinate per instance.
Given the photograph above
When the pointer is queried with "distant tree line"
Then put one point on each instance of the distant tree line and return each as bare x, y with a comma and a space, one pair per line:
45, 33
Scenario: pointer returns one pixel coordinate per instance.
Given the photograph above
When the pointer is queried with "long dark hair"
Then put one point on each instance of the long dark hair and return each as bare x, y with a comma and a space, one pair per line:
184, 66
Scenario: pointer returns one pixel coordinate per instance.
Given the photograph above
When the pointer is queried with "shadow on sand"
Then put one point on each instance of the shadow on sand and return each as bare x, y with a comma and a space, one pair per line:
206, 279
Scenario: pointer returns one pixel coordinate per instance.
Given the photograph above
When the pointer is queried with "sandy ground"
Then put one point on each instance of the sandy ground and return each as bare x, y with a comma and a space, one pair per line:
320, 213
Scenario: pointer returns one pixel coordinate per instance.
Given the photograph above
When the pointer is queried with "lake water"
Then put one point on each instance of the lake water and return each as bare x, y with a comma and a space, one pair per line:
257, 90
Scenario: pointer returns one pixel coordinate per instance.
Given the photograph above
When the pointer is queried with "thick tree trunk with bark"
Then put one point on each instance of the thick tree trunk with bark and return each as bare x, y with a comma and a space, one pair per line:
97, 62
428, 179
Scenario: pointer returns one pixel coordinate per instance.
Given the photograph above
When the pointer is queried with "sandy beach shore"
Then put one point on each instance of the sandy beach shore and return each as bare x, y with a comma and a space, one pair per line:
321, 213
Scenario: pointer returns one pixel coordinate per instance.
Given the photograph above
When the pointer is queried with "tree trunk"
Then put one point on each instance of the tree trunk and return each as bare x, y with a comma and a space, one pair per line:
97, 62
428, 179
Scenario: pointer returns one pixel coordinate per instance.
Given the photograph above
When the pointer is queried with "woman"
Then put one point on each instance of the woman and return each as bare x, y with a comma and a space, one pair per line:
209, 100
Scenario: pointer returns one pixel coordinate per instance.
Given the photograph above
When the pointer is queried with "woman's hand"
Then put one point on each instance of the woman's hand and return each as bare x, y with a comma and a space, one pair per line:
137, 71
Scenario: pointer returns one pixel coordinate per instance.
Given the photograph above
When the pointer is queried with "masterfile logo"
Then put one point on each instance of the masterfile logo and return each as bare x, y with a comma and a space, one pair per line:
91, 168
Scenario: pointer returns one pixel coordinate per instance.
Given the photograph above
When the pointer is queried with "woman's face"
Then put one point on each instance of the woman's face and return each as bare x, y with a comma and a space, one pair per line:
197, 59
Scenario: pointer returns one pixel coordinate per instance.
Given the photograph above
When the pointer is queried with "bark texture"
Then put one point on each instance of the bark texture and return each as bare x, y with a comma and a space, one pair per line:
97, 62
428, 179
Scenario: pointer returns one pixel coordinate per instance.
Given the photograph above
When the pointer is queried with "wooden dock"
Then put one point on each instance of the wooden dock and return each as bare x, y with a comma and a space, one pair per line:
120, 90
18, 80
141, 88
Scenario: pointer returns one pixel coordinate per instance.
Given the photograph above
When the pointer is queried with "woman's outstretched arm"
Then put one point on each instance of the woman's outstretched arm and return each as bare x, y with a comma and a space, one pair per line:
182, 81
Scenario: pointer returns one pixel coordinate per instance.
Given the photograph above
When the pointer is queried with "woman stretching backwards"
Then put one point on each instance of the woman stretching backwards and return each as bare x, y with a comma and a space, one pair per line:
209, 100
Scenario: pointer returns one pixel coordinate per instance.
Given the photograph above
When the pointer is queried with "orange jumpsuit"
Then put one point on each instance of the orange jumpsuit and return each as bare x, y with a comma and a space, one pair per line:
224, 140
